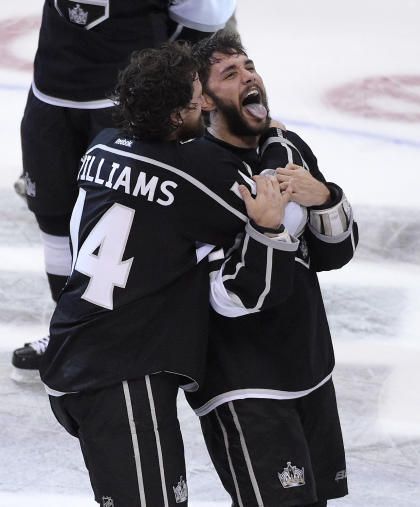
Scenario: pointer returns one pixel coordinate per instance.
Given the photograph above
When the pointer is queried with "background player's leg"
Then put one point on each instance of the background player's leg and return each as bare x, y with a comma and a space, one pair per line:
57, 255
51, 150
53, 140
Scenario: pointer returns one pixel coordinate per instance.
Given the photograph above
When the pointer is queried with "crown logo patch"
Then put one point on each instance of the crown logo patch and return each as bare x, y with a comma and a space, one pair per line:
30, 186
292, 476
78, 15
181, 491
107, 501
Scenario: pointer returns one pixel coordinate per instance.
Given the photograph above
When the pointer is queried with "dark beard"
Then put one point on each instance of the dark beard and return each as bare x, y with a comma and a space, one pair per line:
186, 132
235, 122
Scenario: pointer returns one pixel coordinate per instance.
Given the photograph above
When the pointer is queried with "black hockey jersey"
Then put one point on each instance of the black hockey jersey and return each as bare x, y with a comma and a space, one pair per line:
136, 301
83, 45
284, 351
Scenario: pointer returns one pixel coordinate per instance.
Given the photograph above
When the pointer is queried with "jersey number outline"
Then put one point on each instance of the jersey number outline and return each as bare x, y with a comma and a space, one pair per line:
100, 256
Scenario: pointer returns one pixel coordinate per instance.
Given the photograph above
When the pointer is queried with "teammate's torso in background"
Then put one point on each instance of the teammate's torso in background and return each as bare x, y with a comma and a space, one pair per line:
83, 45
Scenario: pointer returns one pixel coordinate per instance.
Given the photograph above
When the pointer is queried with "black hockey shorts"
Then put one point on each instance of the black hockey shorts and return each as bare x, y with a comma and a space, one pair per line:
54, 139
278, 453
131, 441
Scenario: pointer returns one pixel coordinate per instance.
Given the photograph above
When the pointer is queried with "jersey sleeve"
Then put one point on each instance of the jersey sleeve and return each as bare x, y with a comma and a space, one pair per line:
255, 274
279, 147
332, 234
194, 19
211, 209
331, 231
258, 270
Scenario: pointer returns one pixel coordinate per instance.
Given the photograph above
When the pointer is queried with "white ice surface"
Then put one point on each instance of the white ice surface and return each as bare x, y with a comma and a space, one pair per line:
37, 500
302, 49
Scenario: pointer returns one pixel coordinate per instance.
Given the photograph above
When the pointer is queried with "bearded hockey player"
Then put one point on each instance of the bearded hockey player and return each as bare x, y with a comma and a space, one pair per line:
130, 325
267, 406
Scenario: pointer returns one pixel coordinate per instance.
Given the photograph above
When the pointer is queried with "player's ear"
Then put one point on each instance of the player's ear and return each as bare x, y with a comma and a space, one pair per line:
207, 103
176, 117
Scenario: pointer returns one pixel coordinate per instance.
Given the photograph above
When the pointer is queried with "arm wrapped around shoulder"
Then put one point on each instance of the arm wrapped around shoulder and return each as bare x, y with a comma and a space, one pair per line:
334, 219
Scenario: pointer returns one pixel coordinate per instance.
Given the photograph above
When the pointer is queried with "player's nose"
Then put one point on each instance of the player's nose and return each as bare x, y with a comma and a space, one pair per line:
248, 75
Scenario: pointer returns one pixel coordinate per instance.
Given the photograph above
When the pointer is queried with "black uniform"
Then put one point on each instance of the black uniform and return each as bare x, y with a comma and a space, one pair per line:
151, 203
283, 353
82, 47
95, 39
136, 303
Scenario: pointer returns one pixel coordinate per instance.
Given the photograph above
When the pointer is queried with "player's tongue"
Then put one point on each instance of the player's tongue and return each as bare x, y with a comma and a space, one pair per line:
256, 110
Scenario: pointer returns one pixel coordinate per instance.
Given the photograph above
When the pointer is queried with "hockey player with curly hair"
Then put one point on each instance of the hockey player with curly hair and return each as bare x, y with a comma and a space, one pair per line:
82, 46
131, 323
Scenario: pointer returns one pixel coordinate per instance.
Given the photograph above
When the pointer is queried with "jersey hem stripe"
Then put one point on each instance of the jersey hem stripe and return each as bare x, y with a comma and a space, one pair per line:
190, 387
241, 394
56, 101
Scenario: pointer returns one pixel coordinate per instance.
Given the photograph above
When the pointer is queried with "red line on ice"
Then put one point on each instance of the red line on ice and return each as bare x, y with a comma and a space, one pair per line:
10, 30
357, 97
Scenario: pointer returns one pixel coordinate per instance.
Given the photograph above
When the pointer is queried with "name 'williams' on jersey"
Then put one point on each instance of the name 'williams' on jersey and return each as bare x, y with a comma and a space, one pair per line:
137, 299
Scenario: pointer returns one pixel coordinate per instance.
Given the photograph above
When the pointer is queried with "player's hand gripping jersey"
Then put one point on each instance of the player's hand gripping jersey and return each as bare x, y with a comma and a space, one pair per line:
137, 299
284, 351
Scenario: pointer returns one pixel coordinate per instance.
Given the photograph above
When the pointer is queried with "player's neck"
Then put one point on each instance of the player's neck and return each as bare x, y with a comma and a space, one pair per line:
228, 137
220, 131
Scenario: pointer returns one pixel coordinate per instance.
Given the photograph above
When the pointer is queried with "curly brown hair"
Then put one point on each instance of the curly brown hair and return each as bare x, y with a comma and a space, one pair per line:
155, 84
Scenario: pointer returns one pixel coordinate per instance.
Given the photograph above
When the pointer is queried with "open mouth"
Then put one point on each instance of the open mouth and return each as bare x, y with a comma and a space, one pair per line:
252, 104
252, 97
